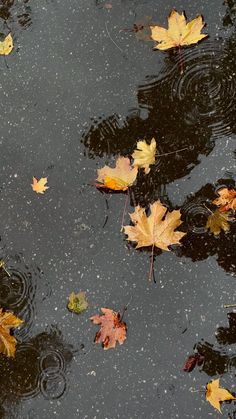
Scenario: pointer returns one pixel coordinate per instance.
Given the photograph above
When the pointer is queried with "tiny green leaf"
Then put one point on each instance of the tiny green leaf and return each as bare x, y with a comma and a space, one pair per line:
77, 302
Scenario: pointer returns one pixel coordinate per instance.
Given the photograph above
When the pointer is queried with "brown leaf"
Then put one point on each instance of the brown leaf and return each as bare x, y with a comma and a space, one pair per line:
118, 178
192, 361
216, 394
7, 342
157, 229
218, 221
112, 328
226, 200
39, 185
179, 31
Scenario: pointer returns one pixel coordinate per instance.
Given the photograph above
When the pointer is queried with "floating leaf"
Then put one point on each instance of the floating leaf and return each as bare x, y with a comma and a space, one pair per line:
7, 342
216, 394
192, 361
218, 221
179, 32
112, 328
77, 302
6, 46
144, 156
157, 229
39, 185
118, 178
226, 200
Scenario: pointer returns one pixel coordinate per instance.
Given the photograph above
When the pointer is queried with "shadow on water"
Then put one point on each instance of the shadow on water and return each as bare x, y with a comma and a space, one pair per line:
39, 367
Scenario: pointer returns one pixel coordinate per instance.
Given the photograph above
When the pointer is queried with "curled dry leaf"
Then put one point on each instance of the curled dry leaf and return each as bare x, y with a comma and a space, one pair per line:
216, 394
8, 342
144, 156
218, 221
226, 200
39, 185
118, 178
112, 328
6, 46
179, 32
157, 229
77, 302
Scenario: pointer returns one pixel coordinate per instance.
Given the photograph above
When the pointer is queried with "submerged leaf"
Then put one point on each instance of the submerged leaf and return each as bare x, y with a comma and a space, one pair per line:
6, 46
77, 302
39, 185
179, 32
144, 156
7, 342
118, 178
218, 221
157, 229
112, 328
216, 394
226, 200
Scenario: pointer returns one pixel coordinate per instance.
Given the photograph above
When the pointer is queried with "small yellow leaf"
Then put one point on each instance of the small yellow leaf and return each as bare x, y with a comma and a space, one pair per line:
179, 32
8, 342
77, 302
218, 221
216, 394
39, 185
144, 156
6, 46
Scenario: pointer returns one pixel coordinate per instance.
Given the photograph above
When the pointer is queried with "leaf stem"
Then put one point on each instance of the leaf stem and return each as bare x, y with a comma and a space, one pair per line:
124, 210
150, 276
172, 152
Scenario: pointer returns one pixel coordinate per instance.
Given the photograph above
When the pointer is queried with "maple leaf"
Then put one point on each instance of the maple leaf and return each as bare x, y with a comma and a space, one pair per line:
218, 221
153, 230
118, 178
77, 302
179, 32
216, 394
226, 200
144, 156
6, 46
7, 342
39, 185
112, 328
192, 361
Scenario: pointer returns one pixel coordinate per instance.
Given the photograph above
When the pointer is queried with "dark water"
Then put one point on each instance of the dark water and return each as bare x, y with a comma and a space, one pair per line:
76, 92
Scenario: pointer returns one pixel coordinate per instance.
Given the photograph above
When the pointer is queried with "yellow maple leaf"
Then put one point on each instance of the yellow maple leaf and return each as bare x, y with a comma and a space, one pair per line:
157, 229
226, 200
144, 156
179, 32
216, 394
118, 178
7, 342
39, 185
6, 46
218, 221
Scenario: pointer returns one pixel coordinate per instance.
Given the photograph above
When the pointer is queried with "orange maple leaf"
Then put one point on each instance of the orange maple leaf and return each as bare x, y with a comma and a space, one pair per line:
226, 200
179, 32
7, 342
118, 178
112, 328
39, 185
216, 394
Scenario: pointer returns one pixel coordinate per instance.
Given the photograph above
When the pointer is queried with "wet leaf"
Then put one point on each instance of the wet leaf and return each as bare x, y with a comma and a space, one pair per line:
192, 361
216, 394
226, 200
118, 178
39, 185
6, 46
77, 302
144, 156
157, 229
179, 32
7, 342
112, 330
218, 221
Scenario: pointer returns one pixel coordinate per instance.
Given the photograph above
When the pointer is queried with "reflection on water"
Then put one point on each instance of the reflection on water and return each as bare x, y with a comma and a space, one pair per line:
38, 368
230, 15
16, 11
